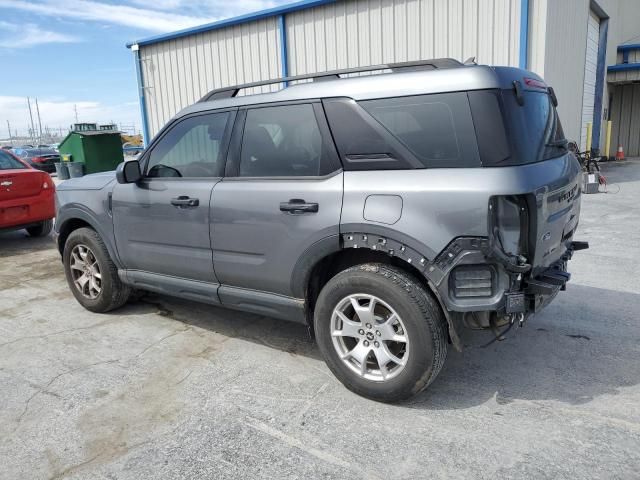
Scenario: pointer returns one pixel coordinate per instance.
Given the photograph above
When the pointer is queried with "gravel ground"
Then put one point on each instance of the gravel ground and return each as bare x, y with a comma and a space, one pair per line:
168, 389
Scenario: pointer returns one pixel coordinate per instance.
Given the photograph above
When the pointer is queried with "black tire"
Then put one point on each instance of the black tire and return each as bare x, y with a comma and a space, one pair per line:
41, 230
113, 293
421, 315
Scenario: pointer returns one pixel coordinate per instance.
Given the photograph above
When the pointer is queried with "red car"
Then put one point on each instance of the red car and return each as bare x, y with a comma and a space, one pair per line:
26, 197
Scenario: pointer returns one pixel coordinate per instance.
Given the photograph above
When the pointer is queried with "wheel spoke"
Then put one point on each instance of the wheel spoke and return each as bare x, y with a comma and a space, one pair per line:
359, 352
93, 286
82, 281
78, 263
365, 314
384, 356
349, 327
388, 333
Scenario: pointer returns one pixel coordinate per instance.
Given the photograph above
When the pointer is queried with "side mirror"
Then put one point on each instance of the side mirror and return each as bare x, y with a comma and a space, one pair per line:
128, 172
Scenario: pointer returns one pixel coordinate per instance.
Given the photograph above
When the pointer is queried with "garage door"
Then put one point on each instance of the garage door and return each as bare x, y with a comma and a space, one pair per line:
590, 68
625, 117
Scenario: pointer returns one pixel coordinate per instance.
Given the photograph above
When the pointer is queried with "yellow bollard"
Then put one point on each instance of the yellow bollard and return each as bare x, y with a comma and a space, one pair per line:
607, 142
589, 131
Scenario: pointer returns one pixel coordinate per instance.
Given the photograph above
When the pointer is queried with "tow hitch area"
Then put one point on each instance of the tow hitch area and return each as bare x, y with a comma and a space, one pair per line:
547, 284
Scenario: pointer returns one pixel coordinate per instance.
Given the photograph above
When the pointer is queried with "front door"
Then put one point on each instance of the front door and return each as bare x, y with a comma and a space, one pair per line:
282, 194
161, 223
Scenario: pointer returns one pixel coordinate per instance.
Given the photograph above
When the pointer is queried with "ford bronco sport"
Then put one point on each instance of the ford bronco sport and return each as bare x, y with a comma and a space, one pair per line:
385, 211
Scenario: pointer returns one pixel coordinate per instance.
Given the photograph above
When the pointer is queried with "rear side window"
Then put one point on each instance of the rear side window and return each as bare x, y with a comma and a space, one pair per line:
192, 148
493, 143
7, 162
282, 141
437, 129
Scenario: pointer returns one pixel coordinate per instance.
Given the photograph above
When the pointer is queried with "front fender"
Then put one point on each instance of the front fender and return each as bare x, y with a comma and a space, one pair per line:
70, 215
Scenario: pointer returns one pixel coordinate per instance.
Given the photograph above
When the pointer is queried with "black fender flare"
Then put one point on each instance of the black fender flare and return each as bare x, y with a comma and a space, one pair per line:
376, 238
79, 213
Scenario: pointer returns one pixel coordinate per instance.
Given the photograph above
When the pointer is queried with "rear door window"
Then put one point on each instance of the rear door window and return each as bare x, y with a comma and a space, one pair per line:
437, 129
282, 141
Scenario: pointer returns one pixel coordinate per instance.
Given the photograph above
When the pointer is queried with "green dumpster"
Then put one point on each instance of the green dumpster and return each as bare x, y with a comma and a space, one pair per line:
98, 150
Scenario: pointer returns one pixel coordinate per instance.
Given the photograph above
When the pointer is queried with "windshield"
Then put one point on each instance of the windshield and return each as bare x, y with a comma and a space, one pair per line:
534, 128
7, 162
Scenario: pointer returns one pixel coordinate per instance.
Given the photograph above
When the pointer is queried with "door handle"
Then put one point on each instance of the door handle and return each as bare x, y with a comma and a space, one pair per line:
185, 201
296, 206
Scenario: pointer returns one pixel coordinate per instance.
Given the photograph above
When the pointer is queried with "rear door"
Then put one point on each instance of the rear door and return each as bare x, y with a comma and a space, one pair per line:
282, 194
161, 224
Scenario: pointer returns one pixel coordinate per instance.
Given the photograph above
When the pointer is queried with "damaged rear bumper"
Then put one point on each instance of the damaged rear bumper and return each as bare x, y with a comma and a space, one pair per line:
541, 289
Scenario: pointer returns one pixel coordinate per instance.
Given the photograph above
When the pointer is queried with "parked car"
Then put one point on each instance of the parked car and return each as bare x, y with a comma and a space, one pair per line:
386, 212
27, 197
39, 158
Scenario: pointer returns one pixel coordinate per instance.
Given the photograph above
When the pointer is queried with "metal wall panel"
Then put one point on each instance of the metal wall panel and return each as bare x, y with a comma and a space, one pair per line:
356, 33
565, 54
625, 117
178, 72
590, 70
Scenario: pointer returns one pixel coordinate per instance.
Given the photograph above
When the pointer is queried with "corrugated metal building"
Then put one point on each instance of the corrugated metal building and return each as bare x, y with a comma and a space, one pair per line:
569, 42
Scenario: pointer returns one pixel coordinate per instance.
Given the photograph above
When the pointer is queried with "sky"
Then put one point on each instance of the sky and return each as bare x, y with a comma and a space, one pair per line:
71, 54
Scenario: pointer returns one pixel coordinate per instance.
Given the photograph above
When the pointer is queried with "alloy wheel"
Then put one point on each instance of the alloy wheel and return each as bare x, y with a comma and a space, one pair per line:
85, 272
369, 337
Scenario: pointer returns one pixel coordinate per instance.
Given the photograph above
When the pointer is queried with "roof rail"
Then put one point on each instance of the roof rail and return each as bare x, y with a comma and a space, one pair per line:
438, 63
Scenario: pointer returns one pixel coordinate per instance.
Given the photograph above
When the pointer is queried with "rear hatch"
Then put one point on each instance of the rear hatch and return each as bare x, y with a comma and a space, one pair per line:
557, 210
538, 221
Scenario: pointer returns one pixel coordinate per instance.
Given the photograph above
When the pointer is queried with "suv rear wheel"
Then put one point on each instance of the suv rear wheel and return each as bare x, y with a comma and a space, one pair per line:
381, 334
91, 274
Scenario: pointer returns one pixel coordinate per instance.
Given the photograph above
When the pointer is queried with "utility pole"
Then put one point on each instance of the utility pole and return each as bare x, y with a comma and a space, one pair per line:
33, 127
9, 128
39, 121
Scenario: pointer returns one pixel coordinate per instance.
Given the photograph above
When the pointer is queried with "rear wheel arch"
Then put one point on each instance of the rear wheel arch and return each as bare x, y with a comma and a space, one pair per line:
338, 260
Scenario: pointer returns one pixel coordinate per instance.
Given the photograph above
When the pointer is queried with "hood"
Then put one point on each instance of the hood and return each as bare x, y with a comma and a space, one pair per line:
94, 181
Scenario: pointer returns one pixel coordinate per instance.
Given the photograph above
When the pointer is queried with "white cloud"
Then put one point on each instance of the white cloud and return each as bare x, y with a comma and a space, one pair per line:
106, 13
60, 113
153, 15
30, 35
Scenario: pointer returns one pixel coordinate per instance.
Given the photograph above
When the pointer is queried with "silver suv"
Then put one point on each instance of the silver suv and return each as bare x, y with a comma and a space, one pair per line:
385, 211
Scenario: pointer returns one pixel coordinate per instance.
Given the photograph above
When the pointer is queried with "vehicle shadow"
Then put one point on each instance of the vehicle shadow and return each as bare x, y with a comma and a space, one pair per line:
16, 242
582, 346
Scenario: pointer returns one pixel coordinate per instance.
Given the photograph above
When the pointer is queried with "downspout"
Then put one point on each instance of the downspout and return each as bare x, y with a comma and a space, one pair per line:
600, 76
143, 106
283, 47
524, 33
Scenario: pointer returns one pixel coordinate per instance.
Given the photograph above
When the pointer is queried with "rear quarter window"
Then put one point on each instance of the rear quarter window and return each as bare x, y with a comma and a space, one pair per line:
437, 129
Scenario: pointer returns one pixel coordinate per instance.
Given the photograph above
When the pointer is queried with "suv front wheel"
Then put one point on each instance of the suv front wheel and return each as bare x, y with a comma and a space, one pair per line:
91, 274
380, 332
